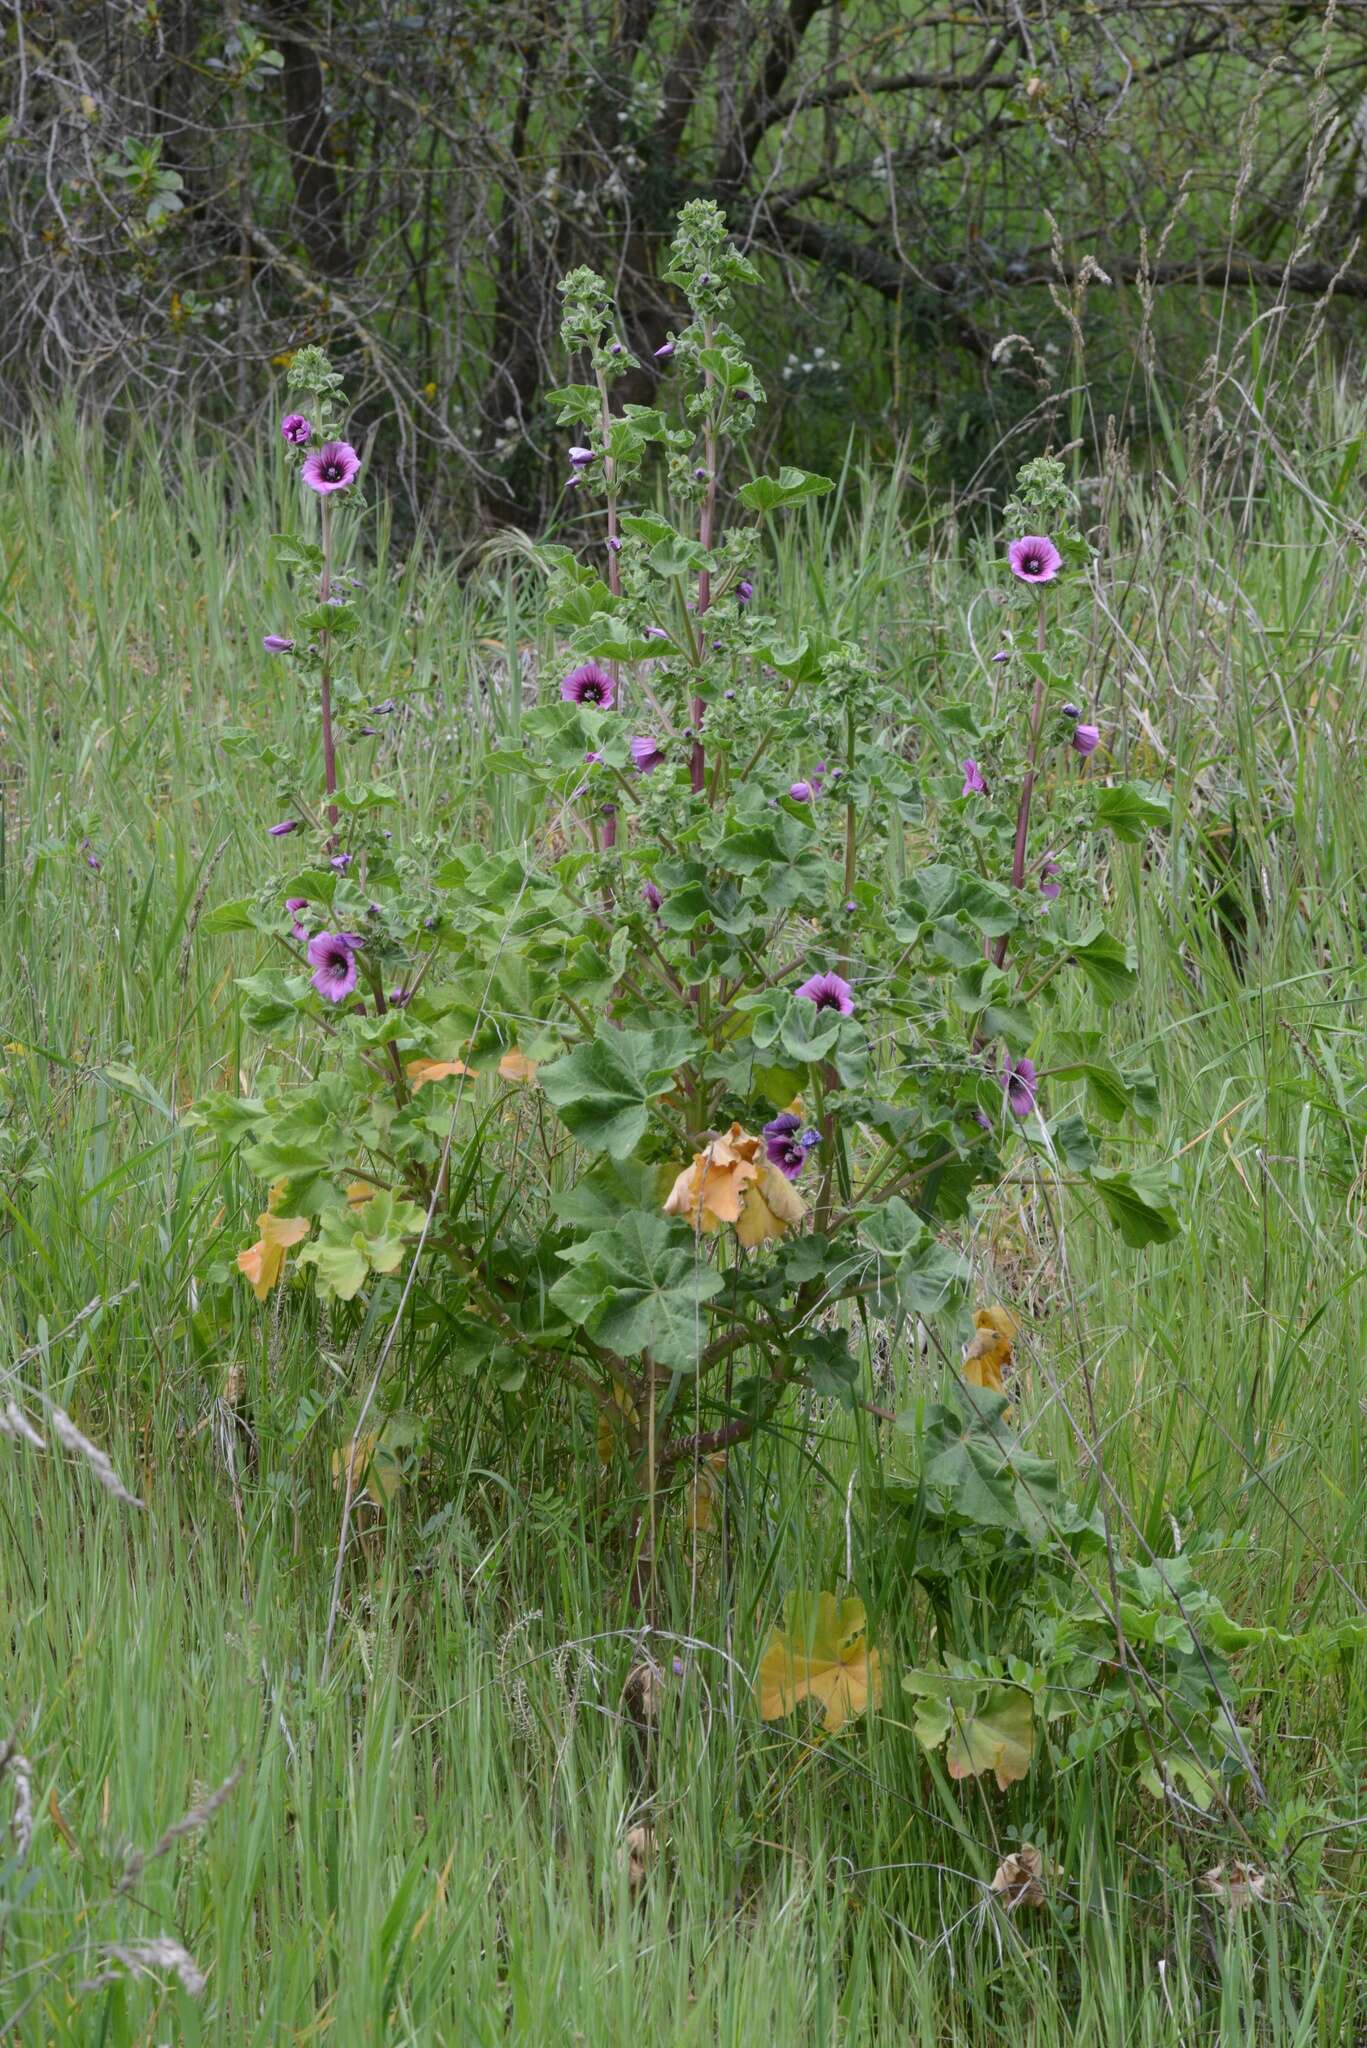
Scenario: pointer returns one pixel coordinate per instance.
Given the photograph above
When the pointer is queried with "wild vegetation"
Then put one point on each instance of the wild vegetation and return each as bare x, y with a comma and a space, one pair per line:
785, 1448
938, 200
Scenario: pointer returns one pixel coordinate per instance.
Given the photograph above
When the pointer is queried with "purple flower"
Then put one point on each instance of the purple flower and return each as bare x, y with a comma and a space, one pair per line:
647, 754
786, 1144
829, 992
581, 456
1002, 654
285, 825
973, 780
1049, 884
296, 429
800, 792
588, 685
294, 904
614, 544
1073, 711
1034, 559
1019, 1080
276, 643
331, 467
745, 590
980, 1116
656, 633
591, 758
664, 352
334, 965
652, 897
340, 862
1086, 739
399, 996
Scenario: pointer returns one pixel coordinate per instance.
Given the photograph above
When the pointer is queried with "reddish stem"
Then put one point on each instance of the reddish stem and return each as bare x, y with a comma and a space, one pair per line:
1019, 852
325, 681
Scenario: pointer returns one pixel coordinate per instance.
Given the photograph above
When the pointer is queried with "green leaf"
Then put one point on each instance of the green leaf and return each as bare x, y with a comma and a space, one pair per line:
918, 1272
230, 917
789, 487
1074, 1143
609, 639
609, 1189
1108, 965
639, 1287
1137, 1200
1134, 809
1077, 1055
602, 1089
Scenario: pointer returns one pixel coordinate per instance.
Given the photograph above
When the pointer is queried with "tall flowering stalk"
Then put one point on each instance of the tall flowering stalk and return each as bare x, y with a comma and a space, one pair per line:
330, 465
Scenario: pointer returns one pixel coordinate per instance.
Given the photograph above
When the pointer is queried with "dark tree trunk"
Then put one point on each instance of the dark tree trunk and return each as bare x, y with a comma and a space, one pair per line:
319, 205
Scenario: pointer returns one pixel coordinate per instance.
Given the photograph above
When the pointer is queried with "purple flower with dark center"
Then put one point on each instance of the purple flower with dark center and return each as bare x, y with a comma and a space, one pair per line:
580, 457
730, 696
973, 780
1086, 739
1073, 711
800, 792
340, 862
701, 474
745, 590
829, 992
334, 965
399, 996
296, 429
786, 1144
589, 685
276, 643
616, 349
647, 754
614, 544
294, 904
285, 825
1034, 559
591, 758
1019, 1079
664, 351
331, 467
1049, 884
652, 897
656, 633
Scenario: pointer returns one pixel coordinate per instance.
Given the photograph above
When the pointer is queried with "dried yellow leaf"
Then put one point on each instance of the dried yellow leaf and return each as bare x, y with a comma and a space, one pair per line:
989, 1351
516, 1067
1018, 1878
704, 1493
420, 1072
772, 1206
607, 1428
263, 1263
712, 1190
821, 1654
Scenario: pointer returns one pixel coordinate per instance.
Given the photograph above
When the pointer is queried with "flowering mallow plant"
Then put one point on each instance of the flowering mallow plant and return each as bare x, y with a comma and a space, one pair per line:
682, 1095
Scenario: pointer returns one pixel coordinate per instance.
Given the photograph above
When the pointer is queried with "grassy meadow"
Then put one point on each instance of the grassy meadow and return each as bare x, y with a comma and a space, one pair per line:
461, 1830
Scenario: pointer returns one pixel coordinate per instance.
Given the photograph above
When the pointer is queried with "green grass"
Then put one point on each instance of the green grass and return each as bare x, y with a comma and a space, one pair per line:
428, 1842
